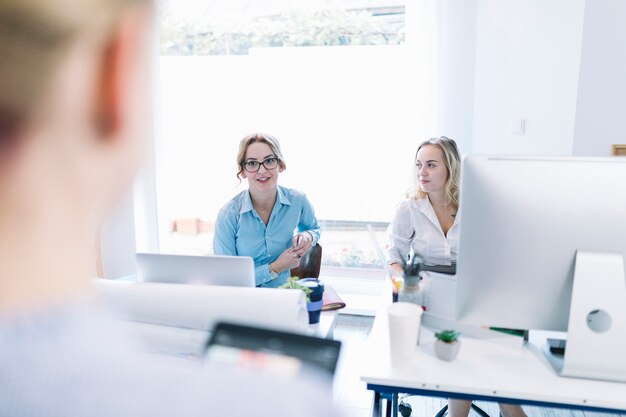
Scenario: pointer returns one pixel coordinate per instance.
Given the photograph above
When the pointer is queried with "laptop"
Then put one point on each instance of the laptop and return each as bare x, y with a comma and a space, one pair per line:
440, 269
272, 351
379, 251
234, 271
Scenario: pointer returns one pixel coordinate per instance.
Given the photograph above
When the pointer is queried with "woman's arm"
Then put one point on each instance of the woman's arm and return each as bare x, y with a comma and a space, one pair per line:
308, 222
224, 242
401, 232
308, 230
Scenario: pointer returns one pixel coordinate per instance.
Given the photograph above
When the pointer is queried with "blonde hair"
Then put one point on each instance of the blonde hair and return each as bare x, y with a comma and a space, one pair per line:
452, 161
270, 140
34, 34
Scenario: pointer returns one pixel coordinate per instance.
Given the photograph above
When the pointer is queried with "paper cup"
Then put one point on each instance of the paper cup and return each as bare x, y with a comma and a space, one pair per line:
404, 326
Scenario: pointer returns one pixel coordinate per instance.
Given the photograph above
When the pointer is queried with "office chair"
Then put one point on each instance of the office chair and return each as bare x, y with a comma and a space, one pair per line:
477, 409
310, 264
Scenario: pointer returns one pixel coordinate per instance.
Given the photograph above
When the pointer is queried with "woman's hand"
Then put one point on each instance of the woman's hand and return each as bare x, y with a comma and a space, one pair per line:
398, 269
287, 260
301, 243
290, 258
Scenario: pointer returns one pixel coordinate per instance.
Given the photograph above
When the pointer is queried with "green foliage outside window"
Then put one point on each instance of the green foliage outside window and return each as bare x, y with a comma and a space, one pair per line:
320, 28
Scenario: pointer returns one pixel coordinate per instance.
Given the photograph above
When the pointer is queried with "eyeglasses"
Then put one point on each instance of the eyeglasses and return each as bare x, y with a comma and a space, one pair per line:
254, 166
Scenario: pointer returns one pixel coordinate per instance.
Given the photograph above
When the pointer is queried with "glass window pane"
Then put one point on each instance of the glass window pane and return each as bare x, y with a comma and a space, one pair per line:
346, 117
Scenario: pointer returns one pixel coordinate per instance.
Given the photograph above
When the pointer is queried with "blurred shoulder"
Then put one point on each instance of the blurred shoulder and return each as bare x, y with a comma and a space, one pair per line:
408, 204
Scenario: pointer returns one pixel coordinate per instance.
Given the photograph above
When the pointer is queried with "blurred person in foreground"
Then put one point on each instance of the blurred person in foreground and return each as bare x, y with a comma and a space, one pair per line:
74, 84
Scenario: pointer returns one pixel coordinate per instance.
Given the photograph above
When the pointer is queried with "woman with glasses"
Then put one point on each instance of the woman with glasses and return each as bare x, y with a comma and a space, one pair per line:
272, 224
426, 223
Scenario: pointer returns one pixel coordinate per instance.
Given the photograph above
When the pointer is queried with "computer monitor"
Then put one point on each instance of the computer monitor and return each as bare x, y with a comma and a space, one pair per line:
237, 271
527, 225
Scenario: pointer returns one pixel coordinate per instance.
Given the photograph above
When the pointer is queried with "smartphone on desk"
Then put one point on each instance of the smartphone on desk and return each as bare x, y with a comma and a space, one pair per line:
271, 350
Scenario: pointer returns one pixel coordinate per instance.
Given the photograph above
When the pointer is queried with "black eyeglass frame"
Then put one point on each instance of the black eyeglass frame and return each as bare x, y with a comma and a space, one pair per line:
264, 162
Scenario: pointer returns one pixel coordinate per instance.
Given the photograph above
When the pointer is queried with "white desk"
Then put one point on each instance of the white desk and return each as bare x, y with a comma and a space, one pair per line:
191, 343
484, 370
326, 326
175, 320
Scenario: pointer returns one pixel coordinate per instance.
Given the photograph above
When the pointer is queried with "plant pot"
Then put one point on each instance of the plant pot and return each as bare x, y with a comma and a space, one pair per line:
447, 351
314, 307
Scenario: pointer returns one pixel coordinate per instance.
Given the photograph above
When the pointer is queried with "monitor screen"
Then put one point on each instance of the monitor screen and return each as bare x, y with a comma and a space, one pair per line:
522, 221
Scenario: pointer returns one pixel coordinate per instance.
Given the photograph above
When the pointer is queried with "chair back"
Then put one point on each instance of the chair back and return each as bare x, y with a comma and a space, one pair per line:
310, 264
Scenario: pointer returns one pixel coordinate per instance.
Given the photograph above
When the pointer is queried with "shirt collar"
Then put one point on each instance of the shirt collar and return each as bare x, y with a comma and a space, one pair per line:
246, 203
427, 209
283, 198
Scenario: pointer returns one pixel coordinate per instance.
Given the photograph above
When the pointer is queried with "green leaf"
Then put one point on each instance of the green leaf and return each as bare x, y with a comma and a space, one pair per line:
292, 283
447, 336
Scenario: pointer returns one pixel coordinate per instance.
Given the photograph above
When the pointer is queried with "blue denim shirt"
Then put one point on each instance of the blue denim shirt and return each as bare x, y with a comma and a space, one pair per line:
240, 231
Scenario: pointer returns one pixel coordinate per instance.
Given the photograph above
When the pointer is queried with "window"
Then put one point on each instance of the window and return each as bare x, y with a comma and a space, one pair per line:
341, 88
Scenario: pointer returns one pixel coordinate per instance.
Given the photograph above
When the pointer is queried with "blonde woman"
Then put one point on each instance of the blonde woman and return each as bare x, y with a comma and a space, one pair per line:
272, 224
426, 223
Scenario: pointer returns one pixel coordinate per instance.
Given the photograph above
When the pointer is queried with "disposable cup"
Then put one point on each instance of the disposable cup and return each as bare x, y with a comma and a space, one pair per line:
404, 326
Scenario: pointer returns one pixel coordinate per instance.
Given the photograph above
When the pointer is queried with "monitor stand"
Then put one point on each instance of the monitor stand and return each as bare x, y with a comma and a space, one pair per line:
596, 339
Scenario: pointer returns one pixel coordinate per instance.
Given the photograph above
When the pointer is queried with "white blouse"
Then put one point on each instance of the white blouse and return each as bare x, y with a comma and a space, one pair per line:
415, 226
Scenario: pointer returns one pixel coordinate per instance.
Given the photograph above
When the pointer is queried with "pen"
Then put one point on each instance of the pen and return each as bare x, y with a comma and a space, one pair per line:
298, 244
395, 284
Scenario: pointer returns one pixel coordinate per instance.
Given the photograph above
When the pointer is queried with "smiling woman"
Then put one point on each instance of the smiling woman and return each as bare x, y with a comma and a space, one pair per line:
273, 225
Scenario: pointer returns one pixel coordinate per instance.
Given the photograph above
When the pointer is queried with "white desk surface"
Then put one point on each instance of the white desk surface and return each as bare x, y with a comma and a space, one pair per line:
484, 368
181, 345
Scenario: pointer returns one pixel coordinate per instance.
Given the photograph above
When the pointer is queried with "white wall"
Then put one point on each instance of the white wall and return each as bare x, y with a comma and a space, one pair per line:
527, 66
457, 58
602, 85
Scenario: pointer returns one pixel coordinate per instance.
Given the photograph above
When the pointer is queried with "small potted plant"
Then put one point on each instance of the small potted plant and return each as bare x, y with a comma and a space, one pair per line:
294, 284
447, 345
312, 288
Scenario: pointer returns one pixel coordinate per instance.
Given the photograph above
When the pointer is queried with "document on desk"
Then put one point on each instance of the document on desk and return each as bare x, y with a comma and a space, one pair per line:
439, 295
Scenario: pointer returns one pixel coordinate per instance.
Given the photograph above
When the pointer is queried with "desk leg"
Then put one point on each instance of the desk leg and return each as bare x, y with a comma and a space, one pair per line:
390, 400
376, 404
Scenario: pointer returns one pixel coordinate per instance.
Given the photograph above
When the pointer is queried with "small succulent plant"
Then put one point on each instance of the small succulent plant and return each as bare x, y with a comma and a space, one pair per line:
293, 283
447, 336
